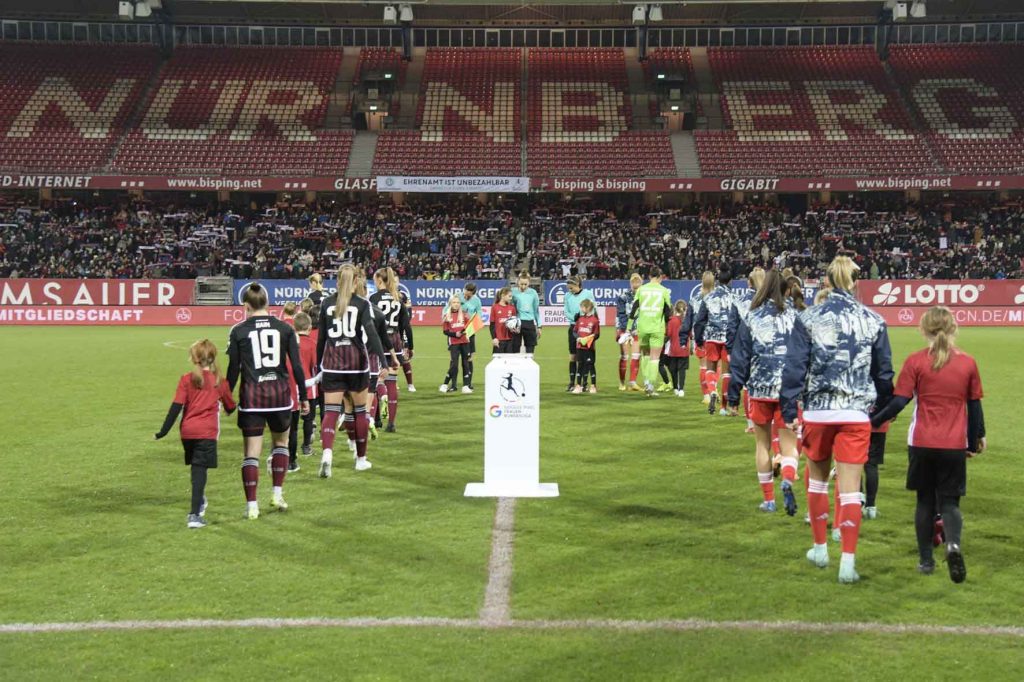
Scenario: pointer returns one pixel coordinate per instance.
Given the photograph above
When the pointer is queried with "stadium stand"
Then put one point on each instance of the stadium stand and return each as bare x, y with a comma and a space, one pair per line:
971, 98
468, 117
453, 240
579, 118
63, 108
239, 111
807, 111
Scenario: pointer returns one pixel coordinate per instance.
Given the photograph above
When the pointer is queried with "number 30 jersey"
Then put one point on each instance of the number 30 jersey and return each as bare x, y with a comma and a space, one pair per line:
259, 350
347, 338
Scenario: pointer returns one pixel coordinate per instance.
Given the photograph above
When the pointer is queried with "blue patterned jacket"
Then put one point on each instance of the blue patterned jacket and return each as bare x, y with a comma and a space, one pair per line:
838, 360
758, 354
737, 314
712, 321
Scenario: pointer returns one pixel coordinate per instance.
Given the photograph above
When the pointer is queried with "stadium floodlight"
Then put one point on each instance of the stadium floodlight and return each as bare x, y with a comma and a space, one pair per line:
125, 10
640, 14
405, 13
388, 75
674, 107
143, 9
655, 13
918, 9
390, 15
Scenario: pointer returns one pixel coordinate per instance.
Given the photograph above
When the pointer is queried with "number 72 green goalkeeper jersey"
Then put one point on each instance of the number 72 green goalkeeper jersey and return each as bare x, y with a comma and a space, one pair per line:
652, 300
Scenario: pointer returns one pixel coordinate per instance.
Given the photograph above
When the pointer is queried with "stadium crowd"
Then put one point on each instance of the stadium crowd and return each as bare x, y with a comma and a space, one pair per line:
463, 240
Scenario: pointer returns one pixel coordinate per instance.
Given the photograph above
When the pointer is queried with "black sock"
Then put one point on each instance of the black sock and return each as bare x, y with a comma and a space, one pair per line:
924, 523
952, 519
663, 372
572, 372
198, 487
870, 484
593, 376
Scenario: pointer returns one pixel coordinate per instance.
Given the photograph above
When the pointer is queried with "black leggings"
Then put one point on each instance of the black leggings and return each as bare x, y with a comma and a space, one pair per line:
677, 370
586, 366
456, 351
928, 505
293, 437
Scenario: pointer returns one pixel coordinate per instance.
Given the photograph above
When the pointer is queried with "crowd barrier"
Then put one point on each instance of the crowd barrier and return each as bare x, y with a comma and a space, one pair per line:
170, 302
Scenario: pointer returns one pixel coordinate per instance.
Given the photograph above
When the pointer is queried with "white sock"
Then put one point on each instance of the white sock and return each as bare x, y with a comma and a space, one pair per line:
821, 548
252, 505
278, 490
847, 558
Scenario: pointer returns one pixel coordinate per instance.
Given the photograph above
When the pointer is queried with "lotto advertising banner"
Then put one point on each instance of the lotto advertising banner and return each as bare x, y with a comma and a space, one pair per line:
968, 292
966, 316
491, 185
92, 292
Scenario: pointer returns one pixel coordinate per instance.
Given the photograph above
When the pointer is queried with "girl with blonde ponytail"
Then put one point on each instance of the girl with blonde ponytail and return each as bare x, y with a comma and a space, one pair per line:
200, 394
948, 426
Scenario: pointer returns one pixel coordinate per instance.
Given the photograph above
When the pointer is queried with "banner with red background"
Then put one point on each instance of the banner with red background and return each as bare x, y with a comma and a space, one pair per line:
97, 292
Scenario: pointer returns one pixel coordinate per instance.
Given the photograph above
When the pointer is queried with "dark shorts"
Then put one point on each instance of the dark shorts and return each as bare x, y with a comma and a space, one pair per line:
201, 452
528, 334
374, 372
876, 450
572, 341
398, 344
253, 423
345, 383
944, 471
504, 346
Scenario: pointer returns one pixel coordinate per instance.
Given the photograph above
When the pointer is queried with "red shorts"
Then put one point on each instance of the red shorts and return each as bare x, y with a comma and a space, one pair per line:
764, 412
715, 351
699, 351
848, 443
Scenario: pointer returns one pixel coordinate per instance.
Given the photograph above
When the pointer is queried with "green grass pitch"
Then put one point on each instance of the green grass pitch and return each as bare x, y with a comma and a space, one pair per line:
657, 520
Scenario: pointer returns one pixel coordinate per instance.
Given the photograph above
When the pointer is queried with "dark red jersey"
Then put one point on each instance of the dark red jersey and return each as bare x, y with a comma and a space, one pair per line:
259, 351
940, 399
307, 354
455, 328
500, 314
200, 418
346, 340
676, 349
587, 325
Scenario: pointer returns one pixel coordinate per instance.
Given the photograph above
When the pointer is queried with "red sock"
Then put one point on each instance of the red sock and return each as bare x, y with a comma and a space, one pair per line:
279, 465
634, 368
407, 370
767, 487
725, 387
392, 389
817, 506
849, 521
372, 396
703, 381
711, 382
330, 422
381, 395
251, 477
350, 424
360, 428
622, 369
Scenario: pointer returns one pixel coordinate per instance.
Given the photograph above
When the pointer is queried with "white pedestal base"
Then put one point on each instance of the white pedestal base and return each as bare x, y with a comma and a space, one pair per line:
511, 489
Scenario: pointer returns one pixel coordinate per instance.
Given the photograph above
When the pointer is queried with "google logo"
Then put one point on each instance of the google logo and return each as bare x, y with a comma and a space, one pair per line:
494, 410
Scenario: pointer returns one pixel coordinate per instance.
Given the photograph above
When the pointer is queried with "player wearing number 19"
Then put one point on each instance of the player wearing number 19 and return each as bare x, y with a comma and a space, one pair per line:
652, 306
259, 350
347, 335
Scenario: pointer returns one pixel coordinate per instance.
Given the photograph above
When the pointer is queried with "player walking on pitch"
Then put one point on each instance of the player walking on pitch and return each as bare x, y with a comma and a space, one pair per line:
652, 306
839, 363
711, 329
625, 334
260, 350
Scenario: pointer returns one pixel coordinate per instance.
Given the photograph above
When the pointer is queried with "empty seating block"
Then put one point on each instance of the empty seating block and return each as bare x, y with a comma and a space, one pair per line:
809, 111
63, 108
468, 116
971, 100
579, 118
239, 111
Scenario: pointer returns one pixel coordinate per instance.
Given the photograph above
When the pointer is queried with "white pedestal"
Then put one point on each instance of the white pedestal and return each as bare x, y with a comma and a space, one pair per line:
512, 431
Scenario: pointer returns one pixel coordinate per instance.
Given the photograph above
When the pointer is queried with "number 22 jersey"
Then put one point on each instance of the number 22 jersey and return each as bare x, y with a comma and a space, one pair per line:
258, 350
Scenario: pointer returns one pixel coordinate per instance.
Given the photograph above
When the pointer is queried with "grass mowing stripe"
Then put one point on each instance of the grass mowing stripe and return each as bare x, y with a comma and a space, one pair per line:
683, 625
497, 598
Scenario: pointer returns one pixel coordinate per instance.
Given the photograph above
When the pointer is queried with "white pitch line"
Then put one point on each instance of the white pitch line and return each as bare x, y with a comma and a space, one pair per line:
684, 625
497, 608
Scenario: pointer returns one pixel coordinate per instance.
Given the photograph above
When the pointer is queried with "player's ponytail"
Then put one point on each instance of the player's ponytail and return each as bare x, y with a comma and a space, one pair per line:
773, 289
204, 356
392, 284
939, 326
756, 278
346, 287
707, 282
796, 291
842, 273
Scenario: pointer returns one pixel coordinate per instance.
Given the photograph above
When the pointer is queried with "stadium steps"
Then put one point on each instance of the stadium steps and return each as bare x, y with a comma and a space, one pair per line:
138, 112
709, 98
338, 106
684, 151
360, 157
639, 96
920, 128
408, 97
